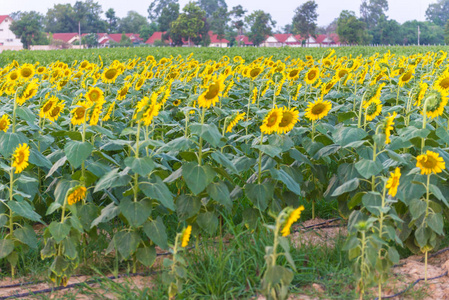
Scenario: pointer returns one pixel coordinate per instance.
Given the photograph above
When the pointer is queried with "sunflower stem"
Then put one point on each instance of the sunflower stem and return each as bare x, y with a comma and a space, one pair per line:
359, 124
200, 151
11, 223
14, 113
260, 159
397, 96
313, 131
136, 176
424, 122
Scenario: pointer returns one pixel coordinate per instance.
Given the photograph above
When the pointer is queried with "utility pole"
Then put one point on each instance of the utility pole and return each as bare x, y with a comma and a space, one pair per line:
418, 34
79, 31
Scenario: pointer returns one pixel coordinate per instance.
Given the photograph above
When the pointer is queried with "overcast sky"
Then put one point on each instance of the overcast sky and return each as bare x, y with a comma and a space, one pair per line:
281, 10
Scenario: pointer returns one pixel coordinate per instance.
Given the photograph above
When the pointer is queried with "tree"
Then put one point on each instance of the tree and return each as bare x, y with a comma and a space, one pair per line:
351, 30
288, 28
211, 6
438, 13
372, 10
260, 24
156, 7
219, 21
147, 30
29, 29
112, 20
90, 40
304, 20
168, 14
88, 14
446, 33
61, 18
125, 41
430, 33
238, 22
188, 25
132, 22
387, 32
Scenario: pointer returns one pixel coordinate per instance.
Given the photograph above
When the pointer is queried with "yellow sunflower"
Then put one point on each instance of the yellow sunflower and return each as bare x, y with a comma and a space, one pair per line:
318, 109
234, 121
292, 217
20, 158
393, 182
431, 162
177, 102
121, 93
54, 113
26, 71
210, 96
272, 120
312, 75
94, 114
289, 119
110, 75
186, 236
47, 107
406, 77
389, 122
13, 76
442, 83
422, 89
436, 101
373, 108
254, 95
79, 113
5, 122
293, 74
76, 194
94, 95
28, 93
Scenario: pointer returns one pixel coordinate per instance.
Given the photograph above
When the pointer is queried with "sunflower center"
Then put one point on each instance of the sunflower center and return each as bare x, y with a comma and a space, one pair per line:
286, 119
433, 103
110, 74
272, 119
3, 124
444, 83
213, 91
26, 72
407, 76
311, 75
254, 72
55, 111
342, 73
429, 162
293, 73
318, 109
13, 76
20, 157
47, 106
79, 112
94, 95
394, 181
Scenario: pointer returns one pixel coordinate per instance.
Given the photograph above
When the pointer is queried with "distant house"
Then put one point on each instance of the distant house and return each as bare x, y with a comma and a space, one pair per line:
8, 40
68, 38
243, 41
216, 42
117, 37
157, 36
281, 40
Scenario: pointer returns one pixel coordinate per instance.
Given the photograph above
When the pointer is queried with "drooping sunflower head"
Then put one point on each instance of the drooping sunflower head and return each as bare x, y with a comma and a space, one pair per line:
76, 194
373, 108
289, 119
20, 158
79, 113
393, 182
185, 236
139, 83
419, 95
121, 93
291, 216
318, 109
325, 88
389, 122
234, 121
210, 96
312, 75
95, 94
431, 162
272, 120
47, 106
5, 122
435, 102
406, 77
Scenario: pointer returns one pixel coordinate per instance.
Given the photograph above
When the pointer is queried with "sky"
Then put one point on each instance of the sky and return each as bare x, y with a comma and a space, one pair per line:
282, 11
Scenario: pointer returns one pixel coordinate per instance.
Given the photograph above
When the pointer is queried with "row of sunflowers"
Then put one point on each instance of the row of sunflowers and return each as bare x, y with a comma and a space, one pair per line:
177, 143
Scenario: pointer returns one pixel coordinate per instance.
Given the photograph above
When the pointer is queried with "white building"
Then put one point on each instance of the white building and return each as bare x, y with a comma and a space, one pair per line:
8, 40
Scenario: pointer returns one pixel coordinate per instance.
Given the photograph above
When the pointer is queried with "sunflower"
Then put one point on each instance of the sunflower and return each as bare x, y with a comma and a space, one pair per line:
5, 122
47, 107
312, 75
139, 83
121, 93
318, 109
406, 77
442, 83
254, 72
94, 95
254, 95
342, 73
185, 237
28, 93
293, 74
176, 102
373, 108
210, 96
94, 115
55, 112
393, 182
146, 110
20, 158
26, 71
234, 121
289, 119
431, 162
107, 116
436, 101
292, 217
41, 70
422, 89
13, 75
76, 194
389, 122
110, 75
79, 113
272, 120
325, 88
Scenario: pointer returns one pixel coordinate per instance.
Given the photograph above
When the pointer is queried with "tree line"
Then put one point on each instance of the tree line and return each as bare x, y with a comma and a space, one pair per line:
192, 23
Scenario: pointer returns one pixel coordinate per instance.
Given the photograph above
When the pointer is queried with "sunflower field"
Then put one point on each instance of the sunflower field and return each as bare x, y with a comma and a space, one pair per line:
157, 153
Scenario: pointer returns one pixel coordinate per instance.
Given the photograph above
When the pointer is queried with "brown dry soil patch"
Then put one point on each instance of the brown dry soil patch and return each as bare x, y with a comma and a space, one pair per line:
408, 271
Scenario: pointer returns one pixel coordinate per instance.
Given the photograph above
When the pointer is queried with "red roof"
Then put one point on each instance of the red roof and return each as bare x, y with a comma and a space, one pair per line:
2, 18
335, 38
320, 38
282, 37
116, 37
214, 38
157, 36
244, 39
65, 37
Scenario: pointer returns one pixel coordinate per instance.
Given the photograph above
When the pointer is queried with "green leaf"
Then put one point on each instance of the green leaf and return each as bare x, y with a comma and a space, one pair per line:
77, 152
36, 158
146, 256
368, 168
142, 165
126, 242
223, 160
9, 142
69, 249
49, 250
435, 221
179, 144
326, 151
59, 230
260, 194
157, 232
208, 222
187, 206
393, 255
219, 192
269, 149
136, 213
27, 236
25, 210
422, 234
373, 202
197, 177
346, 135
6, 247
107, 214
437, 193
208, 132
56, 166
417, 208
346, 187
156, 189
112, 179
284, 177
59, 265
26, 114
